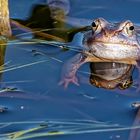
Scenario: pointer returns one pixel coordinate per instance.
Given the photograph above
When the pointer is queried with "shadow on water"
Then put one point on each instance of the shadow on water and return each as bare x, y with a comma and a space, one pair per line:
34, 106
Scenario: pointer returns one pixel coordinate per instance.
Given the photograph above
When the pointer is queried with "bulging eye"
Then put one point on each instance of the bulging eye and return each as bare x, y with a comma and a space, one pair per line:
129, 29
93, 24
96, 26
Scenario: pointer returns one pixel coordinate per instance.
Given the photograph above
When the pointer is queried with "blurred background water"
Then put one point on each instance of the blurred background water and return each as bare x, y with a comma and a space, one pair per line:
32, 96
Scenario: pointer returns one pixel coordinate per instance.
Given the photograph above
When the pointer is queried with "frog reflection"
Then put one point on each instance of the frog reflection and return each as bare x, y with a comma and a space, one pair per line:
110, 75
44, 22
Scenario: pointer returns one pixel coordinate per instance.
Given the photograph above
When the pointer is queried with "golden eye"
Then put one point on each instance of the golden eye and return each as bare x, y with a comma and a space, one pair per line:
96, 26
129, 29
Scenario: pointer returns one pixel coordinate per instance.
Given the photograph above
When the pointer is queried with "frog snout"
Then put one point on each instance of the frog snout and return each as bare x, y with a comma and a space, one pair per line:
109, 33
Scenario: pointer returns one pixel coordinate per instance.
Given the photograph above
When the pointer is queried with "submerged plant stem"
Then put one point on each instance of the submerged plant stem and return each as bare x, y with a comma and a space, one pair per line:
5, 28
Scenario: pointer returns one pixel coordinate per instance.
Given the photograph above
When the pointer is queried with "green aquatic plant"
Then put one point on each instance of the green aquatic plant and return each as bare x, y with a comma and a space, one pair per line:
36, 129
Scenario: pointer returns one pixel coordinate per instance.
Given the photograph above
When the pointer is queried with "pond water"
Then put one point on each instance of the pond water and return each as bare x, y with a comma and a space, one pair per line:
36, 107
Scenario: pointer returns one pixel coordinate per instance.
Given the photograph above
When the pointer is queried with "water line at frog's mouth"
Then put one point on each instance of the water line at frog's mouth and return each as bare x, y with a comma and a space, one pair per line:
114, 43
116, 52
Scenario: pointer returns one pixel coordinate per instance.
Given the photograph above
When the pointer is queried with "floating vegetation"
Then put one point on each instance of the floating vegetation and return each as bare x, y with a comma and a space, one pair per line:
14, 67
43, 39
35, 129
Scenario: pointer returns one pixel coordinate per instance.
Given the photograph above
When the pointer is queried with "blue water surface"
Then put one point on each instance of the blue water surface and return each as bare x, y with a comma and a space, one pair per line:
38, 99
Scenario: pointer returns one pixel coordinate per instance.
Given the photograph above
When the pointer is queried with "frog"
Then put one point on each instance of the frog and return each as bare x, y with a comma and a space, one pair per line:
107, 41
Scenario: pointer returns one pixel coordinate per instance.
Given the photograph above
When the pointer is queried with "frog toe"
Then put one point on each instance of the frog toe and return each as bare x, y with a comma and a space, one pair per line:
75, 81
66, 81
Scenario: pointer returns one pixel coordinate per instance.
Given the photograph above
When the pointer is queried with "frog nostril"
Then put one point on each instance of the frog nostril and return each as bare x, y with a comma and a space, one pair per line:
110, 33
107, 33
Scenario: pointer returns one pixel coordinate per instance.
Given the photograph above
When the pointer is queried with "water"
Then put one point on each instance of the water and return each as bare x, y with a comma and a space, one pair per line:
38, 108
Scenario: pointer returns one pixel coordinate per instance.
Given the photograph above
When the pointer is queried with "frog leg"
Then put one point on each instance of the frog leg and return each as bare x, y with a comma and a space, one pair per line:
70, 68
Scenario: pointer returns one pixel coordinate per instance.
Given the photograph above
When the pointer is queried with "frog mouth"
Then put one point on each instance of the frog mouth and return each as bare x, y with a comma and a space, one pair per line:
115, 51
120, 44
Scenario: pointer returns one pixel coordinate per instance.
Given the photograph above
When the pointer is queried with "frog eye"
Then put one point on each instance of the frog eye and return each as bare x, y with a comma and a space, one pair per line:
129, 29
96, 26
93, 24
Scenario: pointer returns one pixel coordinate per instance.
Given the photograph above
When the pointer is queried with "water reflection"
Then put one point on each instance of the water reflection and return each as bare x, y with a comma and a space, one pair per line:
106, 75
111, 75
48, 22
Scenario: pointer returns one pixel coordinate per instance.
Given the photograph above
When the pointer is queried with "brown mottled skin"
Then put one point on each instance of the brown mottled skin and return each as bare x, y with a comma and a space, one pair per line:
115, 42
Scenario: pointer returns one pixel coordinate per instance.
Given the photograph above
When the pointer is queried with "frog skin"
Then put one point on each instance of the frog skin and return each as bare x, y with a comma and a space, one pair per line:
105, 40
111, 75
